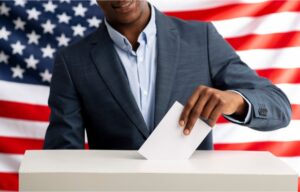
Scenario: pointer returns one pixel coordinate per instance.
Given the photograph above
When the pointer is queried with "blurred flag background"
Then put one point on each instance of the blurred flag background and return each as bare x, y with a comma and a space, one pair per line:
265, 33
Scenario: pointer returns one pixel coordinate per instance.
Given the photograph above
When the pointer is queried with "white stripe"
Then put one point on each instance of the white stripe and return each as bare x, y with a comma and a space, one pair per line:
272, 23
293, 162
184, 5
25, 129
292, 91
10, 163
232, 133
271, 58
25, 93
22, 128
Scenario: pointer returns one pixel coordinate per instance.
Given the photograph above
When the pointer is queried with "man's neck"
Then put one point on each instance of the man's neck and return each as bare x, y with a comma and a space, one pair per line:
132, 31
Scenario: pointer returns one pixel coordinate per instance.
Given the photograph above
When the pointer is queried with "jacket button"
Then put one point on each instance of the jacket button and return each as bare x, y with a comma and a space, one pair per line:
262, 112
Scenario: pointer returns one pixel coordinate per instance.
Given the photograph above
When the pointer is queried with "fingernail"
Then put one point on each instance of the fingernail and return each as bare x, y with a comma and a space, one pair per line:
181, 123
186, 131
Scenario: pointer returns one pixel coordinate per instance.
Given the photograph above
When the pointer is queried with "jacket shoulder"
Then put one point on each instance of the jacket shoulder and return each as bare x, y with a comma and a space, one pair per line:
78, 47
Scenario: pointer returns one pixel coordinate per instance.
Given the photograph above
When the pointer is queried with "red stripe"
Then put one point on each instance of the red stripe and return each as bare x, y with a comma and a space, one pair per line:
238, 10
278, 76
24, 111
295, 112
9, 181
281, 149
266, 41
19, 145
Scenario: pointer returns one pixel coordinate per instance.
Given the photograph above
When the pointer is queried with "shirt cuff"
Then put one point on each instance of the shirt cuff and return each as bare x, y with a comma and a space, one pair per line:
247, 118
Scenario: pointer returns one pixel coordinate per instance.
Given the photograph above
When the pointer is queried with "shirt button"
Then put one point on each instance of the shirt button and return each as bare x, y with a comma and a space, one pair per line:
145, 92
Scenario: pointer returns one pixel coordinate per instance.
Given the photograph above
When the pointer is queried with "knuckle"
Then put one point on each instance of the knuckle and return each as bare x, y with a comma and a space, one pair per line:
222, 102
201, 87
217, 96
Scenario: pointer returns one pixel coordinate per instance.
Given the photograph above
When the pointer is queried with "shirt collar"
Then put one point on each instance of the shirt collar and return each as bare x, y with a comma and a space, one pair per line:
122, 42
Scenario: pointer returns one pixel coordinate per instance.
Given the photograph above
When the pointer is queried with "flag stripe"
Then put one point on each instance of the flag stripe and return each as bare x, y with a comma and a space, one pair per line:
271, 58
292, 92
24, 111
278, 76
237, 10
282, 149
9, 181
24, 93
179, 5
268, 24
232, 133
10, 162
19, 145
266, 41
22, 128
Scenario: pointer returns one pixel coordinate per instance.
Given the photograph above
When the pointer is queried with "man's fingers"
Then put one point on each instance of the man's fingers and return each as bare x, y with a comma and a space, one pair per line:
215, 114
195, 112
188, 107
210, 106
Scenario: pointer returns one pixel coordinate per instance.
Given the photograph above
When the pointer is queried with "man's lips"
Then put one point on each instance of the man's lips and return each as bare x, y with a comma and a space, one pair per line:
122, 4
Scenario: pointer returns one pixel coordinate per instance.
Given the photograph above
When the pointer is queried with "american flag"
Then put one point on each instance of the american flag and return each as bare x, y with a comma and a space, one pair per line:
265, 33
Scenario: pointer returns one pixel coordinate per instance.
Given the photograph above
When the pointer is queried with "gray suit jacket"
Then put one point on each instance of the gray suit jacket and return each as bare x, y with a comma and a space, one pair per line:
89, 88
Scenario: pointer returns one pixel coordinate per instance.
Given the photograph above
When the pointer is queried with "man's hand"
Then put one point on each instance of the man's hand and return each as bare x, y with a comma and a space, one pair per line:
208, 104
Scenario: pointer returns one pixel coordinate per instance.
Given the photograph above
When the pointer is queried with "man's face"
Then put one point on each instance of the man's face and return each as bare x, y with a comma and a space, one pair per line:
123, 11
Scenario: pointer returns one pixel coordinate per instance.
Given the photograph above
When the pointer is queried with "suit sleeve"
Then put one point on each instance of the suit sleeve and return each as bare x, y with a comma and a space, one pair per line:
66, 129
270, 106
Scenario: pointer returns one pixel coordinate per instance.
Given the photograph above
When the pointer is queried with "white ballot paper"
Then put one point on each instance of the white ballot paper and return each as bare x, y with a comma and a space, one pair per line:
167, 141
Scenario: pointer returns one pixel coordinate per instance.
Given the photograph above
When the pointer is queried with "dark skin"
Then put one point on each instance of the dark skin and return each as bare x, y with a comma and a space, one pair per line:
126, 16
130, 18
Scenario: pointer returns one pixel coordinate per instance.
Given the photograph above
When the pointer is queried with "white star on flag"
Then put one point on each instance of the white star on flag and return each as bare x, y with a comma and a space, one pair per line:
18, 48
48, 27
63, 18
49, 6
48, 51
78, 30
17, 72
3, 58
94, 22
66, 1
33, 38
63, 40
19, 24
20, 3
33, 14
79, 10
4, 10
31, 62
46, 76
4, 33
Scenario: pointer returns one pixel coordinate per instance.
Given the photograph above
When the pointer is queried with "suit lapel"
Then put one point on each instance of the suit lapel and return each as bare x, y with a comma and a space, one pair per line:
110, 69
167, 58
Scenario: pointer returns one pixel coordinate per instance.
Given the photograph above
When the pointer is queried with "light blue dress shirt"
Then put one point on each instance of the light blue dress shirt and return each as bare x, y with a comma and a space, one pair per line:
140, 67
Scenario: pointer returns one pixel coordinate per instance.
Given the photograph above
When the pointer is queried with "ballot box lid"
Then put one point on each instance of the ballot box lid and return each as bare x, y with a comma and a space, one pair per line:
121, 161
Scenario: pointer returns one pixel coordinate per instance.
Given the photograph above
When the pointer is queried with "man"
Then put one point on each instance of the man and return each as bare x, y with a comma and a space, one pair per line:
120, 81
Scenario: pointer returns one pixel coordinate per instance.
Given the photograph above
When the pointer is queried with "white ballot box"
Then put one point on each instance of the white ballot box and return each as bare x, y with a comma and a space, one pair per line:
98, 170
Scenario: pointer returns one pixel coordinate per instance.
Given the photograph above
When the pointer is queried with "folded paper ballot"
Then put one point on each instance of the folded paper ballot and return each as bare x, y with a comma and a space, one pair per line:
167, 141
